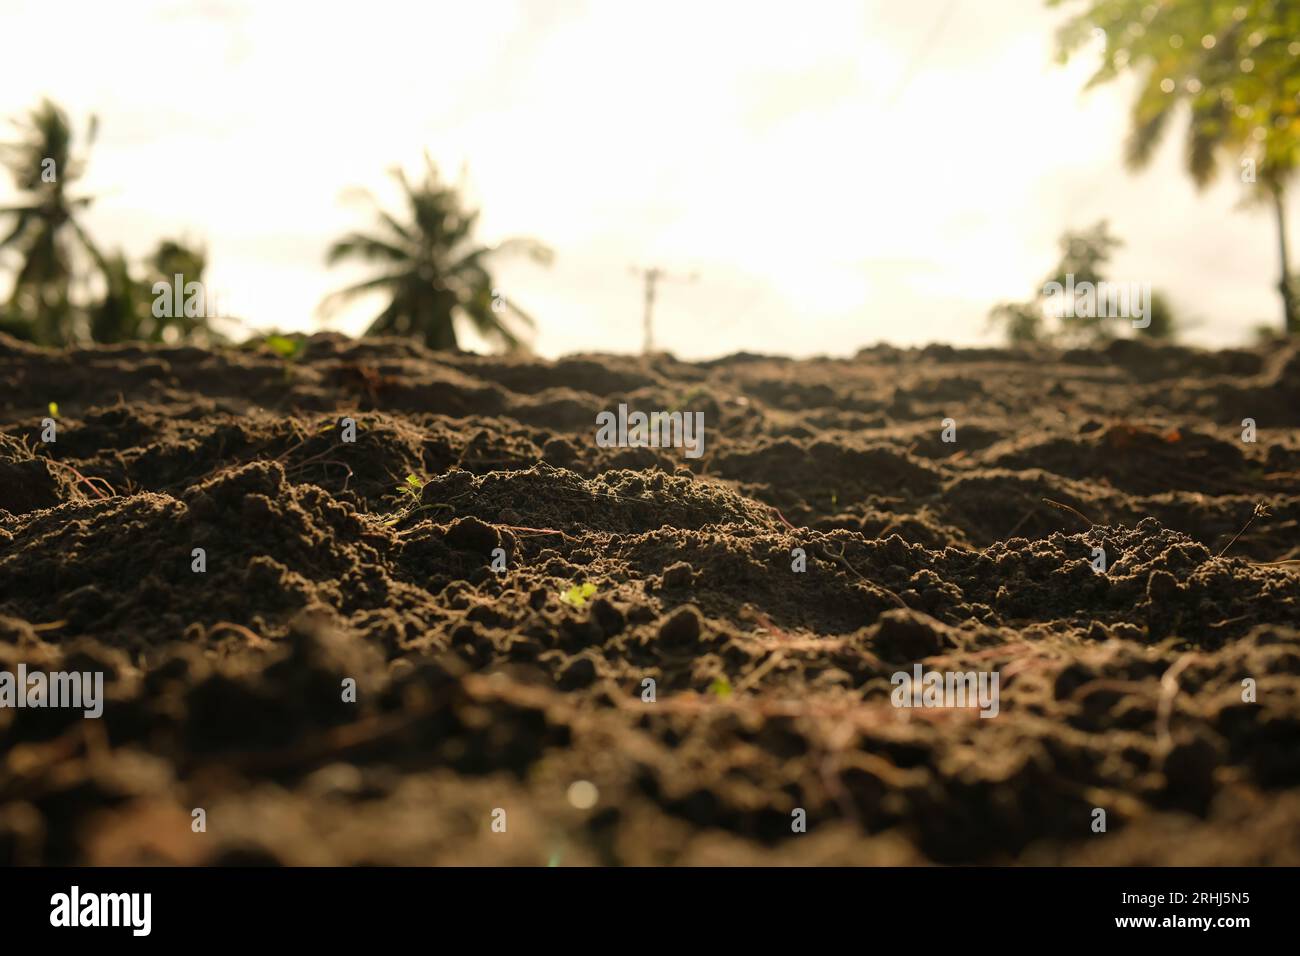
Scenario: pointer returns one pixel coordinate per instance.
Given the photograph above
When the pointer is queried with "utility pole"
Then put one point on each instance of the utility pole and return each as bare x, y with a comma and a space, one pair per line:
652, 275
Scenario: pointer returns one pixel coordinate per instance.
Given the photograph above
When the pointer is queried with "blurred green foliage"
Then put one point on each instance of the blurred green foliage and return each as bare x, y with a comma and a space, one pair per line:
1084, 256
65, 289
1234, 65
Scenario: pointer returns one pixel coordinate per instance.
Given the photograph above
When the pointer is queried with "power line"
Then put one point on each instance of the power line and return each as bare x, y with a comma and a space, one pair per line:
921, 52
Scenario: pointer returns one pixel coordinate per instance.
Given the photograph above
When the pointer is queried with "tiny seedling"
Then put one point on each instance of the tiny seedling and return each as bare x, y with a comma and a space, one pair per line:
330, 425
579, 594
412, 487
284, 346
288, 349
410, 494
54, 409
720, 688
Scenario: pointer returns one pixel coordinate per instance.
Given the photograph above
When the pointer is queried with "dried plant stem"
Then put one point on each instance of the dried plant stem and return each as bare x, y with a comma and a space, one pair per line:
1259, 512
874, 585
1074, 511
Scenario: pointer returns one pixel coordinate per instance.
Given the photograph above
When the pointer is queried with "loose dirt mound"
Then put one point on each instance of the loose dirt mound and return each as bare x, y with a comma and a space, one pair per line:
201, 534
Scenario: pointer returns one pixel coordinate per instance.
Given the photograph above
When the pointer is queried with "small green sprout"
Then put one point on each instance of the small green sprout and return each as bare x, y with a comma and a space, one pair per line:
54, 409
720, 688
577, 595
413, 486
411, 494
283, 346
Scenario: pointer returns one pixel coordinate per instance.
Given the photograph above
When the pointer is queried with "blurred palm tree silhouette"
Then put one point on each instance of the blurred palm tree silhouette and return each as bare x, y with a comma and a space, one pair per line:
45, 231
1236, 64
57, 255
433, 271
126, 312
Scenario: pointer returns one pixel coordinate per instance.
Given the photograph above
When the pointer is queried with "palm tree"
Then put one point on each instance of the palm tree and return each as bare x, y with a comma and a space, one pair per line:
170, 258
117, 316
433, 271
46, 232
126, 312
1234, 63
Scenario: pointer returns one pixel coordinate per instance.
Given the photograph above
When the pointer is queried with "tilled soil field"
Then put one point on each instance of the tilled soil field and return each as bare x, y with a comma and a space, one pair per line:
501, 614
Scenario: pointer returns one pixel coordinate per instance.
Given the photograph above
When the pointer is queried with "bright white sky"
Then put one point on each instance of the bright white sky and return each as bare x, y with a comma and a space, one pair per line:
836, 173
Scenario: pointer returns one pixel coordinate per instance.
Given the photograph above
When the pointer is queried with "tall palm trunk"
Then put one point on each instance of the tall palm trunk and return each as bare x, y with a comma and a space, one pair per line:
1289, 306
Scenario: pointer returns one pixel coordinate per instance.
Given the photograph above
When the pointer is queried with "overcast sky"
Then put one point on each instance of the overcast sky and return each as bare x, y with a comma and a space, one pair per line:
835, 173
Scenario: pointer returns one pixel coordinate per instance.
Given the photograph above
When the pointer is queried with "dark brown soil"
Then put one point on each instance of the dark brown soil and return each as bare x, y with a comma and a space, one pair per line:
480, 690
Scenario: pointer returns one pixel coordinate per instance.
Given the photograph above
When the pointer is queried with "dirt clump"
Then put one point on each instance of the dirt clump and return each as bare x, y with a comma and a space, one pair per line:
354, 652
